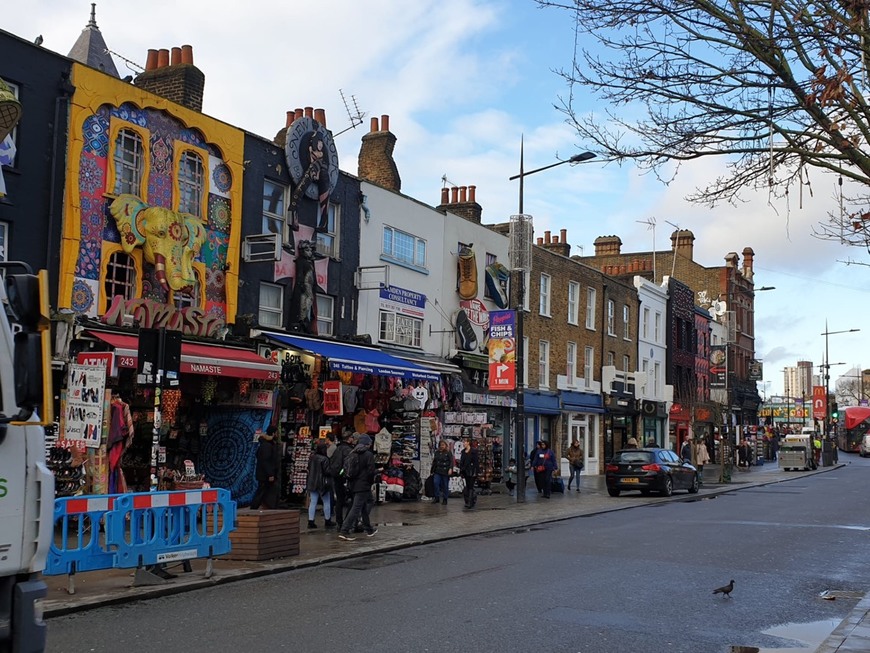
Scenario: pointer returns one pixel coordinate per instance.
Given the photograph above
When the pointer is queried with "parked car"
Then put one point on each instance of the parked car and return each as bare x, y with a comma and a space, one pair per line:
864, 446
650, 469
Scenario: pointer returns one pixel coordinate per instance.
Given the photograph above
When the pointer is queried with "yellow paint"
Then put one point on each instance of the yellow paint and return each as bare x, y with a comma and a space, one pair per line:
95, 89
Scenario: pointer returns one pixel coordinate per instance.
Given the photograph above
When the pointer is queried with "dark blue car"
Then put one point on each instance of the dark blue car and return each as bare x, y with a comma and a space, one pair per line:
650, 470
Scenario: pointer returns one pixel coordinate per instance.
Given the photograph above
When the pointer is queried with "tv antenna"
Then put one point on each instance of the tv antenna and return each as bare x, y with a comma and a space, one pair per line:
674, 259
446, 182
356, 116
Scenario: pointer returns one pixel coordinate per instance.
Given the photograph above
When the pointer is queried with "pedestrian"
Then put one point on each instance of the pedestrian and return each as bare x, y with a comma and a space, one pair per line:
543, 465
319, 483
631, 444
360, 471
702, 457
510, 477
686, 451
266, 472
468, 469
442, 469
651, 443
575, 462
339, 481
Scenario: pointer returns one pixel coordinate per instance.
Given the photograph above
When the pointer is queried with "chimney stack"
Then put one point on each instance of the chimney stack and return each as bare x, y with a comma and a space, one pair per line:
748, 256
175, 78
557, 244
682, 242
462, 203
376, 163
608, 246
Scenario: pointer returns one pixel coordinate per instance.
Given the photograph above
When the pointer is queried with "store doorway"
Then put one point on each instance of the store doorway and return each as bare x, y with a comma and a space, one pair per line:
581, 427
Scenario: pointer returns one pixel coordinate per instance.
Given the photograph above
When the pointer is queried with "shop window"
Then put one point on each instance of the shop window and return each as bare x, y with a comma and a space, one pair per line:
274, 209
590, 308
401, 329
120, 276
191, 183
271, 311
626, 321
327, 241
325, 315
404, 248
128, 158
544, 296
573, 302
544, 364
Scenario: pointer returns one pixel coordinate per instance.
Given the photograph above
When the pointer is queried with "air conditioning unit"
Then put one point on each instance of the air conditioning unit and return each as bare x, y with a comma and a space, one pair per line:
261, 248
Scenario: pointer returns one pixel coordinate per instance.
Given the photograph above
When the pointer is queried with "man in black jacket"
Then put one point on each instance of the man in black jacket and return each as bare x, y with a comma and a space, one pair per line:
336, 465
360, 471
268, 464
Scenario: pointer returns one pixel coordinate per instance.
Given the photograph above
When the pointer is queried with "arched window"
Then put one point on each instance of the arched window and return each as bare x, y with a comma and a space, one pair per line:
128, 159
191, 183
120, 277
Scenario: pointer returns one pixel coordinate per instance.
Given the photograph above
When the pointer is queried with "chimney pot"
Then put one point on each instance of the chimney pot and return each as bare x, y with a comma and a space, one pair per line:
471, 191
374, 124
187, 54
151, 61
162, 58
291, 116
555, 240
175, 58
462, 195
454, 195
309, 112
547, 237
445, 195
385, 123
320, 117
297, 113
564, 234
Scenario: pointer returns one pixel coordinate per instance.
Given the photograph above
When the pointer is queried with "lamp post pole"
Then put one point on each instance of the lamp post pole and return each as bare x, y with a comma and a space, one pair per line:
827, 333
520, 266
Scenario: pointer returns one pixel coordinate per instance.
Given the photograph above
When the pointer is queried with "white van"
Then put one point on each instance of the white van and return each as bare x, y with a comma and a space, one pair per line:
864, 447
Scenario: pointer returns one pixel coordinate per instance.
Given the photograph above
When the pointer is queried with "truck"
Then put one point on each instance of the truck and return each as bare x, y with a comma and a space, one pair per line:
26, 483
796, 452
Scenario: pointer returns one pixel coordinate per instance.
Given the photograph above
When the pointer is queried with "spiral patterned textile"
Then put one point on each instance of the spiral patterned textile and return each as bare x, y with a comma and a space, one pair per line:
228, 456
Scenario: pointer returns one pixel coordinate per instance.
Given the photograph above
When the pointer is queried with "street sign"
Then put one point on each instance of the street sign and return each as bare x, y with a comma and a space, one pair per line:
502, 348
820, 408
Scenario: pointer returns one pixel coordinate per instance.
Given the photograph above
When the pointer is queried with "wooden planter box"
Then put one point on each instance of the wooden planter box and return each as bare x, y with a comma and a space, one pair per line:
264, 534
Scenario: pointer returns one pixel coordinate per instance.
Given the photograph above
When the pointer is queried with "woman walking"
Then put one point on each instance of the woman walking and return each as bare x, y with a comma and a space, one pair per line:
442, 470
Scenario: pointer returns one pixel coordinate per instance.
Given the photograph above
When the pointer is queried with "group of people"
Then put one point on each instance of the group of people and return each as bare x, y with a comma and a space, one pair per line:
337, 472
443, 464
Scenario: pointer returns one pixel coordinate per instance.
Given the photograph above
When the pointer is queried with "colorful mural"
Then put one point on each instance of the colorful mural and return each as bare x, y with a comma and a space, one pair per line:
136, 160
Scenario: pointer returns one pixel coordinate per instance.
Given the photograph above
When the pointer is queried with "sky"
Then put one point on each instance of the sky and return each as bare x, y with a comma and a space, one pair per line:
464, 83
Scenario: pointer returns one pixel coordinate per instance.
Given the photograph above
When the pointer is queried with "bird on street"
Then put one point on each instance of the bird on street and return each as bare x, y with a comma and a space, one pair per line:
726, 590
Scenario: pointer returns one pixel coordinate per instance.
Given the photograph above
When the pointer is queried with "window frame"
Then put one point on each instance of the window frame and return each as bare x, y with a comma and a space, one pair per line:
544, 363
544, 294
591, 298
626, 322
611, 318
110, 267
183, 152
416, 243
588, 365
328, 322
271, 216
573, 303
333, 216
571, 362
116, 126
271, 310
657, 326
415, 324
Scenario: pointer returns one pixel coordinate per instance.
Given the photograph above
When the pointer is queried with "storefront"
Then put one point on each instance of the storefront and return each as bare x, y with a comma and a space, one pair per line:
581, 415
653, 423
543, 410
619, 422
680, 426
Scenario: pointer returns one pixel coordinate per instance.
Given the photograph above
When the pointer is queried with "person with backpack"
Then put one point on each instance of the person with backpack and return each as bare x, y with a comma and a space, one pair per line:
359, 468
339, 481
469, 468
319, 483
442, 470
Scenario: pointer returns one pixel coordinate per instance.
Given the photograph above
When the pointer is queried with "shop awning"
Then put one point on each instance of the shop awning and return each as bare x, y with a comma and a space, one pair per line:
346, 357
437, 364
198, 358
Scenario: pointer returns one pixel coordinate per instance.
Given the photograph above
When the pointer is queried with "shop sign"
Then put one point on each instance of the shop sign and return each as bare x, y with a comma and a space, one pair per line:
149, 314
718, 365
104, 359
400, 300
820, 403
85, 396
332, 398
502, 349
488, 400
476, 311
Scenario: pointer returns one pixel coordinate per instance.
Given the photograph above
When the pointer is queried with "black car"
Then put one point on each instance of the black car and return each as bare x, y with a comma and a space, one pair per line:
649, 470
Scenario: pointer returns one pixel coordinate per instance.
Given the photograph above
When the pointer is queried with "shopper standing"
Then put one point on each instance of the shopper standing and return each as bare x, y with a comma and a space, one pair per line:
469, 467
360, 471
543, 465
575, 462
268, 465
339, 481
319, 483
442, 469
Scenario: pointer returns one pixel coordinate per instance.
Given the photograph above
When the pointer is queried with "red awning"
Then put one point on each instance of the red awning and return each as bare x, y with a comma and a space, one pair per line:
198, 358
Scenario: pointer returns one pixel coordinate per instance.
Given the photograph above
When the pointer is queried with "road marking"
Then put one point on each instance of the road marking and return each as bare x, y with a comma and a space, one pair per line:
847, 527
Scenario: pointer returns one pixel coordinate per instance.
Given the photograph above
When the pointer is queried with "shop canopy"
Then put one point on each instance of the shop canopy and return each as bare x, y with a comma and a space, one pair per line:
198, 358
346, 357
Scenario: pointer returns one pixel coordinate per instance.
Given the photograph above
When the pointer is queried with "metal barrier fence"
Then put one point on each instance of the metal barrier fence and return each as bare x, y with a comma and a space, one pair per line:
134, 530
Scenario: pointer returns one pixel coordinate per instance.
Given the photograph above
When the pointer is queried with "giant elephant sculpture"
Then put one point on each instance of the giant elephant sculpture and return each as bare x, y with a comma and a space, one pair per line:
169, 239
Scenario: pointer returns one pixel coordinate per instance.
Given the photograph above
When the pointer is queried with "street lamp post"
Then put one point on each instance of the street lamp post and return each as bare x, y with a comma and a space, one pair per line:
520, 264
827, 333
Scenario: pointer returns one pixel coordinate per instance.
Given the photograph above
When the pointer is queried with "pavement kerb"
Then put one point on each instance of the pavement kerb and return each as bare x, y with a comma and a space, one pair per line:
54, 608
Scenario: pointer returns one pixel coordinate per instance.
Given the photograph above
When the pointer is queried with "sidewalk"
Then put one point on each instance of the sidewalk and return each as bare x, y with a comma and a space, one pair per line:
402, 525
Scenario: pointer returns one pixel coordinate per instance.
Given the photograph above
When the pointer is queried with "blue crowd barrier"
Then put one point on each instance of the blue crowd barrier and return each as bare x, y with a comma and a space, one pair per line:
77, 544
158, 527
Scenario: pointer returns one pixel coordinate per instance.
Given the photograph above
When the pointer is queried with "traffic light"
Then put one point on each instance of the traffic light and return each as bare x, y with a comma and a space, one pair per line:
835, 412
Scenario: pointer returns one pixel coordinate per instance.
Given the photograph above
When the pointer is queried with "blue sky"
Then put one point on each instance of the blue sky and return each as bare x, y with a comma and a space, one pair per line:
463, 81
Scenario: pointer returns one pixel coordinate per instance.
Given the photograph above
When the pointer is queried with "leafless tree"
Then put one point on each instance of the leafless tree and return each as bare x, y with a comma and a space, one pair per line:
777, 87
849, 391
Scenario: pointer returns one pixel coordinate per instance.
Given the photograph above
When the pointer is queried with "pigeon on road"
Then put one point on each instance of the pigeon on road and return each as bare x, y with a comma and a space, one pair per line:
726, 590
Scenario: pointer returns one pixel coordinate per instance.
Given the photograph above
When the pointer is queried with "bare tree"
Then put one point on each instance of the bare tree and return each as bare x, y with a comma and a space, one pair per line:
849, 391
778, 87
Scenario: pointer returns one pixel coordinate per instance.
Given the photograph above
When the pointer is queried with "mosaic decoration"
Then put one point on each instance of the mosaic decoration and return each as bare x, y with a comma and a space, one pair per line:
92, 176
228, 456
132, 114
221, 177
161, 155
215, 280
160, 189
214, 252
84, 295
219, 213
96, 134
88, 265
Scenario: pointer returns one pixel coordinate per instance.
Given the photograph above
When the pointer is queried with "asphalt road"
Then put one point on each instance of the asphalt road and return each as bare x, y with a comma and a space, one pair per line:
633, 580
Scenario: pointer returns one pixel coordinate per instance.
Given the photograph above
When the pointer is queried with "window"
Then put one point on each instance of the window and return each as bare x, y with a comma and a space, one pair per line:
490, 260
657, 372
401, 329
645, 324
588, 362
191, 183
611, 318
325, 315
544, 296
4, 241
525, 361
120, 277
573, 302
404, 248
271, 305
274, 211
626, 363
626, 322
327, 240
527, 282
658, 327
571, 366
128, 159
590, 308
611, 358
544, 364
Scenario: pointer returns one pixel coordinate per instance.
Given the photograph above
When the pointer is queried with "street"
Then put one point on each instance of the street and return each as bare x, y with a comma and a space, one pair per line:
632, 580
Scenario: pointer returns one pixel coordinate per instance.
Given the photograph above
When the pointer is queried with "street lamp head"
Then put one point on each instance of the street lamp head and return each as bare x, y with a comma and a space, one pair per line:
585, 156
763, 288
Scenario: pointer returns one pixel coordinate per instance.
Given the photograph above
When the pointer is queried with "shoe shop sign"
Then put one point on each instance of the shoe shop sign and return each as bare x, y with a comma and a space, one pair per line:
502, 348
400, 300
